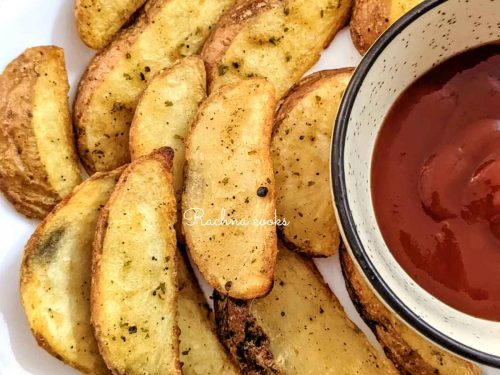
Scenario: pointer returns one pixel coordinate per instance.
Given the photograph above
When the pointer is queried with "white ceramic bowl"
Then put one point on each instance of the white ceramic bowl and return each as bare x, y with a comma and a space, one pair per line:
430, 33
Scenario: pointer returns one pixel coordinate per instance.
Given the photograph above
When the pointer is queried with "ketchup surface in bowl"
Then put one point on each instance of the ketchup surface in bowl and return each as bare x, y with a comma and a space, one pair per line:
436, 181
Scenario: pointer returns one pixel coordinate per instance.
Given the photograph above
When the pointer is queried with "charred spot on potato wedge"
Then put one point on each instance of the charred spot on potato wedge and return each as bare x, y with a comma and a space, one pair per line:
238, 330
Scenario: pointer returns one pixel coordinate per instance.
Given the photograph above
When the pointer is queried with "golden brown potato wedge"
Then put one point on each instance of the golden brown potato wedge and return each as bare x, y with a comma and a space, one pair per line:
55, 275
229, 175
370, 18
98, 21
200, 350
134, 279
165, 112
301, 148
38, 162
276, 39
410, 353
166, 31
299, 328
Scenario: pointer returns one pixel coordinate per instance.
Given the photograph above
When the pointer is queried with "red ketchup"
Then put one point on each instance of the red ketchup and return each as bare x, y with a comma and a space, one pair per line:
436, 181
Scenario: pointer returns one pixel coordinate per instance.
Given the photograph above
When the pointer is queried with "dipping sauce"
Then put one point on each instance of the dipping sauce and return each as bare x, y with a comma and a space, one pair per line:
436, 181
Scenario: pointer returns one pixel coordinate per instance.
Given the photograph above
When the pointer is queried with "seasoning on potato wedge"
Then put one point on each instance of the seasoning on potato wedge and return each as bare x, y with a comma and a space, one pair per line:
229, 194
55, 275
276, 39
200, 350
165, 112
98, 21
370, 18
134, 281
38, 161
299, 328
410, 353
301, 149
166, 31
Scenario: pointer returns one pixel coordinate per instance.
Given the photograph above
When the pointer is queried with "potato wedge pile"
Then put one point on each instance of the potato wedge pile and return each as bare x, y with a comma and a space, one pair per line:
196, 162
166, 31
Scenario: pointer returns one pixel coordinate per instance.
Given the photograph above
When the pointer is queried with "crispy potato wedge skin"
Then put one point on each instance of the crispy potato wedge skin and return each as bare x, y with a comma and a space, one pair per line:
370, 18
228, 160
166, 31
200, 350
410, 353
276, 39
300, 147
300, 323
55, 275
134, 280
98, 21
38, 162
165, 112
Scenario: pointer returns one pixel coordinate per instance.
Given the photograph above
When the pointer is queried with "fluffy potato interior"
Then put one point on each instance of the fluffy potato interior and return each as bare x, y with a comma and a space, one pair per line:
55, 276
165, 111
301, 153
134, 285
229, 175
52, 125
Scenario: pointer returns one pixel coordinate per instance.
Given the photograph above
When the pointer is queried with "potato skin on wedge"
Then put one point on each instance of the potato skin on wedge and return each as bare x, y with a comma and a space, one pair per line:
410, 353
134, 278
200, 350
38, 162
164, 32
166, 110
98, 21
370, 18
55, 275
299, 328
276, 39
301, 147
229, 175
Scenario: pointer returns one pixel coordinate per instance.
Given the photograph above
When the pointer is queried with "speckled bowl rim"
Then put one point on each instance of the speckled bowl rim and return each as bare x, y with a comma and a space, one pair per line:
342, 204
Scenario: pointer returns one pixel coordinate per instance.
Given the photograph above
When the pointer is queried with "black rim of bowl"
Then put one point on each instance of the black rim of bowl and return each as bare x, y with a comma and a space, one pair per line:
344, 212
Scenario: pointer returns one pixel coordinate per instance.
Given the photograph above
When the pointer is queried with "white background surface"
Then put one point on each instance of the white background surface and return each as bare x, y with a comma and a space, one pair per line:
28, 23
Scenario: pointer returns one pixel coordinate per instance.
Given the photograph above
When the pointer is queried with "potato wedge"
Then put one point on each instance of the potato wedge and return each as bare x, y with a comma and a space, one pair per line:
370, 18
229, 175
200, 350
165, 112
98, 21
301, 148
276, 39
55, 275
410, 353
134, 279
299, 328
38, 162
166, 31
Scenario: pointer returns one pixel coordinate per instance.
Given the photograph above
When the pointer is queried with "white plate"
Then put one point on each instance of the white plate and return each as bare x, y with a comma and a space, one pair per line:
28, 23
